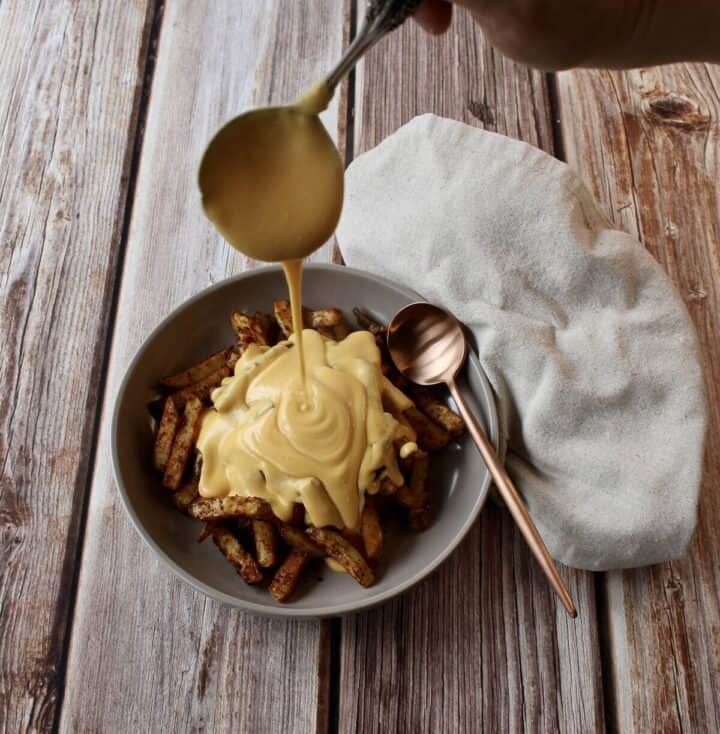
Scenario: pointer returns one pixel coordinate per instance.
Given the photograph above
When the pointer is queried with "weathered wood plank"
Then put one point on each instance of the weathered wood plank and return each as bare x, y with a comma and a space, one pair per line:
71, 77
147, 652
482, 644
648, 142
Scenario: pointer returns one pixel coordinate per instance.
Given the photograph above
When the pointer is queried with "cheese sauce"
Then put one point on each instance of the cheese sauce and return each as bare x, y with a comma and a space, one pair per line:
324, 446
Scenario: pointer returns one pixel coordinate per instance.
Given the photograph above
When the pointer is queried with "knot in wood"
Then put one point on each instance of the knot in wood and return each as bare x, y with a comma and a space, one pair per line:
676, 110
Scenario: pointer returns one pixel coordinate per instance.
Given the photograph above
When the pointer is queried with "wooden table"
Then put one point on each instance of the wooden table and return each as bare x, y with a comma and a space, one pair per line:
105, 108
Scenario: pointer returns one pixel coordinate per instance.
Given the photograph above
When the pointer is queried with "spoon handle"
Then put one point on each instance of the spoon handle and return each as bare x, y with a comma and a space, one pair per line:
381, 17
513, 500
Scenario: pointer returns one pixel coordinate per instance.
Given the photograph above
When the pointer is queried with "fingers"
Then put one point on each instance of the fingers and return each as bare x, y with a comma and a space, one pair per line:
434, 16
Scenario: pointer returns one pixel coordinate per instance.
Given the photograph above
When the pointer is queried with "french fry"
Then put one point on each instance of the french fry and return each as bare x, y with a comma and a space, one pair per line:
165, 435
299, 540
430, 436
186, 495
283, 316
201, 389
286, 578
183, 444
232, 359
232, 550
388, 487
371, 530
207, 530
327, 321
266, 543
413, 495
420, 518
221, 508
250, 330
368, 324
197, 372
437, 411
343, 552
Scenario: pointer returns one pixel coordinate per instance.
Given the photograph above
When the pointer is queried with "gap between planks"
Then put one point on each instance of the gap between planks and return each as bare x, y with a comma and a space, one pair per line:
147, 59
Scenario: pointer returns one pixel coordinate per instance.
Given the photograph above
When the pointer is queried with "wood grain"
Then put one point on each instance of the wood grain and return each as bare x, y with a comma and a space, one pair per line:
71, 76
148, 653
648, 143
482, 644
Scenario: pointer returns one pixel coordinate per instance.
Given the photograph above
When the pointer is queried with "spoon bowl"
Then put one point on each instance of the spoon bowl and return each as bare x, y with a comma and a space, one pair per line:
427, 344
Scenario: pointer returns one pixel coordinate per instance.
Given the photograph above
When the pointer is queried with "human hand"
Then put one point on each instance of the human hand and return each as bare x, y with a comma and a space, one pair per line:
559, 34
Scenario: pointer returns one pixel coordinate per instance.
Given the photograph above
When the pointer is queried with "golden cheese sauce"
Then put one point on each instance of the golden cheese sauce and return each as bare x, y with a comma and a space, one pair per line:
324, 446
302, 421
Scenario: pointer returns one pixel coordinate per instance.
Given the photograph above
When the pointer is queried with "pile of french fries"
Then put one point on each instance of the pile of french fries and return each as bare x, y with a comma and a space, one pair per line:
260, 546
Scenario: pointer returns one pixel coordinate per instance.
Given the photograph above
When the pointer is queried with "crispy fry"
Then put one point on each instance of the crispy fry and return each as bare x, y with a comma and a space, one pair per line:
183, 444
165, 435
283, 316
236, 554
345, 553
250, 329
201, 389
299, 540
420, 518
388, 487
266, 543
232, 359
368, 324
410, 499
220, 508
207, 530
198, 371
437, 411
371, 530
287, 576
184, 497
413, 495
430, 436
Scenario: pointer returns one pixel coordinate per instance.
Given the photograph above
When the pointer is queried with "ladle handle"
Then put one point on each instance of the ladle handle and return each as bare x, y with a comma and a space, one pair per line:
513, 500
381, 17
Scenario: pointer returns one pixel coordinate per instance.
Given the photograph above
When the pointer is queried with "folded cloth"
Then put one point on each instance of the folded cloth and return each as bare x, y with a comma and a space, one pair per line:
590, 351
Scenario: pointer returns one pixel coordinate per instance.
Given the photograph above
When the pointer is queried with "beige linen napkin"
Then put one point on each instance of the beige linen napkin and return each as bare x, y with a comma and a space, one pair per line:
588, 347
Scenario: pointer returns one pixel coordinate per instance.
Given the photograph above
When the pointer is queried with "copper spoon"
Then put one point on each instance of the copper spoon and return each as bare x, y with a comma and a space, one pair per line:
428, 346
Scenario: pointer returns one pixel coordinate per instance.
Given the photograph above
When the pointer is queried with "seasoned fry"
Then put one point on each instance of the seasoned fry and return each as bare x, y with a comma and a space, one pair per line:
371, 531
388, 487
186, 495
197, 372
232, 359
345, 553
220, 508
420, 518
437, 411
250, 329
183, 444
287, 576
327, 321
236, 554
413, 495
299, 540
430, 436
283, 316
207, 530
165, 434
266, 543
368, 324
203, 388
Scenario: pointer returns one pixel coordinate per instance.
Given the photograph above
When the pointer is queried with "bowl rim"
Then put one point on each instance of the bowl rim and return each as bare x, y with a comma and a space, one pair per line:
288, 611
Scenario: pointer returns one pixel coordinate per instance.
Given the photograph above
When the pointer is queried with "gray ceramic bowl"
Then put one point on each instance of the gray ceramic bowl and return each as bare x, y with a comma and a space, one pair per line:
459, 480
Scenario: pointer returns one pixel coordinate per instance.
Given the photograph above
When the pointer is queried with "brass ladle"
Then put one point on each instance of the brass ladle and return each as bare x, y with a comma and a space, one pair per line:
428, 346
